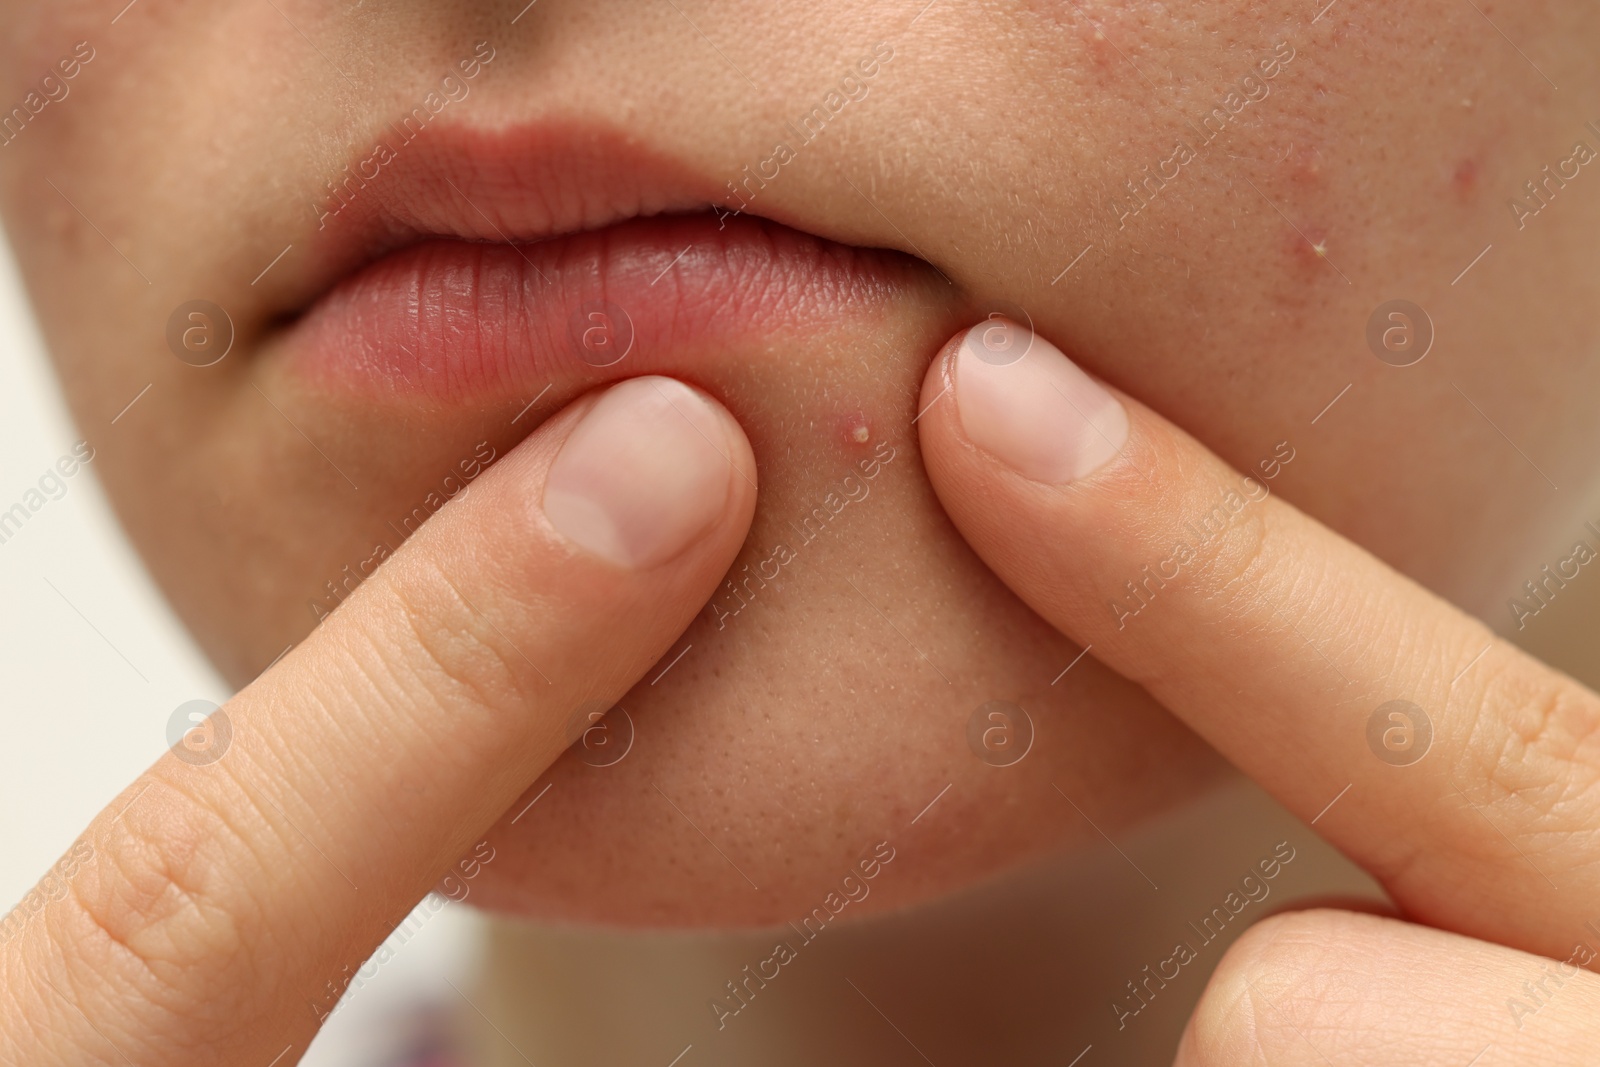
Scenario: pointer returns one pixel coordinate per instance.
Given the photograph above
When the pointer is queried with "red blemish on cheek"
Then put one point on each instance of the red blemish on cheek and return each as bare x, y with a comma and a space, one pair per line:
1105, 54
1308, 249
1098, 45
1465, 180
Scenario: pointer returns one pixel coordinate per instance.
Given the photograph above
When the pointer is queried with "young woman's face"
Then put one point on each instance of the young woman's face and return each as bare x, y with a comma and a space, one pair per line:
428, 226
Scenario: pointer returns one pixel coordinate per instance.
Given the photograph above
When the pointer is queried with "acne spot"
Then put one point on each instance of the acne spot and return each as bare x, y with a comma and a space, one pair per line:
1464, 182
1098, 36
854, 429
1308, 251
1102, 51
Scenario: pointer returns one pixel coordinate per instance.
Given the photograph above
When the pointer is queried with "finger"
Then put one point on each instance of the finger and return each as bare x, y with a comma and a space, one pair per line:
1281, 643
1315, 988
1336, 902
224, 905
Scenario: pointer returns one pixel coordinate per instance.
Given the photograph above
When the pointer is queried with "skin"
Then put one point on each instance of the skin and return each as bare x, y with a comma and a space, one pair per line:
992, 167
1238, 312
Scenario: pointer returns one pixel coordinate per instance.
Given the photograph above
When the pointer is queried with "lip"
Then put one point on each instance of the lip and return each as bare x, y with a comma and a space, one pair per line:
482, 266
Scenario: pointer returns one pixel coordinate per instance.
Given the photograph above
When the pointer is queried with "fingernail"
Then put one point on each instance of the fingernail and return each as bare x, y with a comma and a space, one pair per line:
643, 474
1029, 406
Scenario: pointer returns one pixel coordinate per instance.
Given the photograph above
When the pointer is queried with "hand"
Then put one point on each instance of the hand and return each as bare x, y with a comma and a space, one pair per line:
203, 915
1322, 674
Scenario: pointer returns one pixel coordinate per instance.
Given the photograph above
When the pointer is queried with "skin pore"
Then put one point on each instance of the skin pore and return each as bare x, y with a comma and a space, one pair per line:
1059, 157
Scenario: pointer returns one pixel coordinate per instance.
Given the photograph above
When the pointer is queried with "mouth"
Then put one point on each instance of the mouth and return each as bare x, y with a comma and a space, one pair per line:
477, 267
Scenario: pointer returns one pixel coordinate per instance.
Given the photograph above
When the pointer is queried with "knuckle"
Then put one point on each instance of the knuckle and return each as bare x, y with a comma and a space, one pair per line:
449, 653
1533, 739
1237, 564
148, 936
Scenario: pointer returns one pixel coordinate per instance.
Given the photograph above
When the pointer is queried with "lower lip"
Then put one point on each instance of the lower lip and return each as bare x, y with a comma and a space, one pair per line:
464, 323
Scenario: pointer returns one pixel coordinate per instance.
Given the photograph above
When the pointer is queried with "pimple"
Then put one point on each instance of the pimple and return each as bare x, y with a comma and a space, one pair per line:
1465, 179
1102, 48
1099, 40
1309, 250
1105, 54
854, 430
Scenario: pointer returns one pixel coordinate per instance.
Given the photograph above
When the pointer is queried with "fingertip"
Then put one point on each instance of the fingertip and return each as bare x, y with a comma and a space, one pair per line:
650, 468
1022, 405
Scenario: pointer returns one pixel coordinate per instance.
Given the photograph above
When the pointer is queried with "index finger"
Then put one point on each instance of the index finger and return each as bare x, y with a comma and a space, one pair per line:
226, 902
1458, 770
